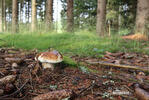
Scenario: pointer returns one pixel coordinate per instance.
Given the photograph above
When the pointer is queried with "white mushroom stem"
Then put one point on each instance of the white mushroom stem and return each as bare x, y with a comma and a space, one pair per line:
48, 65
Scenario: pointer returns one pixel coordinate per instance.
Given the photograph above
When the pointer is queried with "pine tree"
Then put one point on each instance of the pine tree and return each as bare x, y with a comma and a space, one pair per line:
49, 14
14, 16
34, 15
101, 17
70, 15
142, 17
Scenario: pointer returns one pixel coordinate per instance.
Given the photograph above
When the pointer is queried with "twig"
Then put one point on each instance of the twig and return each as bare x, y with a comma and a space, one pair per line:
128, 97
92, 85
128, 88
1, 73
146, 69
15, 91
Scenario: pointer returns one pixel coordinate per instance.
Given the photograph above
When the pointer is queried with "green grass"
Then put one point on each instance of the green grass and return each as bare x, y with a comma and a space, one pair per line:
80, 43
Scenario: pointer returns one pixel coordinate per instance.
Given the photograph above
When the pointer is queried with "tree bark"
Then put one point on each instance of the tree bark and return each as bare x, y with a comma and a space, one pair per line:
4, 15
70, 15
119, 18
34, 15
142, 17
1, 27
49, 14
101, 17
14, 16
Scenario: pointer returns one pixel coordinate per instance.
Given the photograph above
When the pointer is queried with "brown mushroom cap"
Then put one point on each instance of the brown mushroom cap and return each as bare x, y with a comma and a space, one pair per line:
50, 57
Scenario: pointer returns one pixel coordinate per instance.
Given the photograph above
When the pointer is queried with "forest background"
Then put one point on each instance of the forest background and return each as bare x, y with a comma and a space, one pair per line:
76, 26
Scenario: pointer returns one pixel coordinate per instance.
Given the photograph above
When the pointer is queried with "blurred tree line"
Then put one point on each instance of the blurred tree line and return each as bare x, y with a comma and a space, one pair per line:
100, 15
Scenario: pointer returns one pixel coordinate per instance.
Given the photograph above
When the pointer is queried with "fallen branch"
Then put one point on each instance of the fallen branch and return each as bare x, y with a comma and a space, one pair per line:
54, 95
145, 69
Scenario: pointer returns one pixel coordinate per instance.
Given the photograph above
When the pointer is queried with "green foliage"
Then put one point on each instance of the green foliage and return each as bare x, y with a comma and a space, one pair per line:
69, 61
124, 32
84, 13
121, 12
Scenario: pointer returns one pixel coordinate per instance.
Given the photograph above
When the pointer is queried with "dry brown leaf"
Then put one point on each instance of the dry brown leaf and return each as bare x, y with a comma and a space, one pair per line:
137, 36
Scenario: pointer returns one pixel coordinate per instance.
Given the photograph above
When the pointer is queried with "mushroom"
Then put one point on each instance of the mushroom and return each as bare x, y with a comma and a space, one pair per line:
48, 59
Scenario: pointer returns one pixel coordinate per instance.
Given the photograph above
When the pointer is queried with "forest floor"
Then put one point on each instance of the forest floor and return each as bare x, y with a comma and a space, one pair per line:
21, 77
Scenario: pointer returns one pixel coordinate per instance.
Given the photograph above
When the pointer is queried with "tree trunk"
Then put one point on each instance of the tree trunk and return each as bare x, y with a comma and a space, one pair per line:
1, 27
4, 15
34, 15
14, 16
119, 18
49, 14
101, 17
70, 15
142, 17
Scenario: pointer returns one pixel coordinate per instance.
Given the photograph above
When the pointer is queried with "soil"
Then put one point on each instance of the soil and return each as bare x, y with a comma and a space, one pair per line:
101, 83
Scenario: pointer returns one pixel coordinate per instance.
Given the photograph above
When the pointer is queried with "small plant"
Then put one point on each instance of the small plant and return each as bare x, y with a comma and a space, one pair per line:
105, 95
124, 32
84, 69
108, 82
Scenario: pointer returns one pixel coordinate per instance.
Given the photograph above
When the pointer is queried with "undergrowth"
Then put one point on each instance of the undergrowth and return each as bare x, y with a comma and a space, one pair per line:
81, 43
